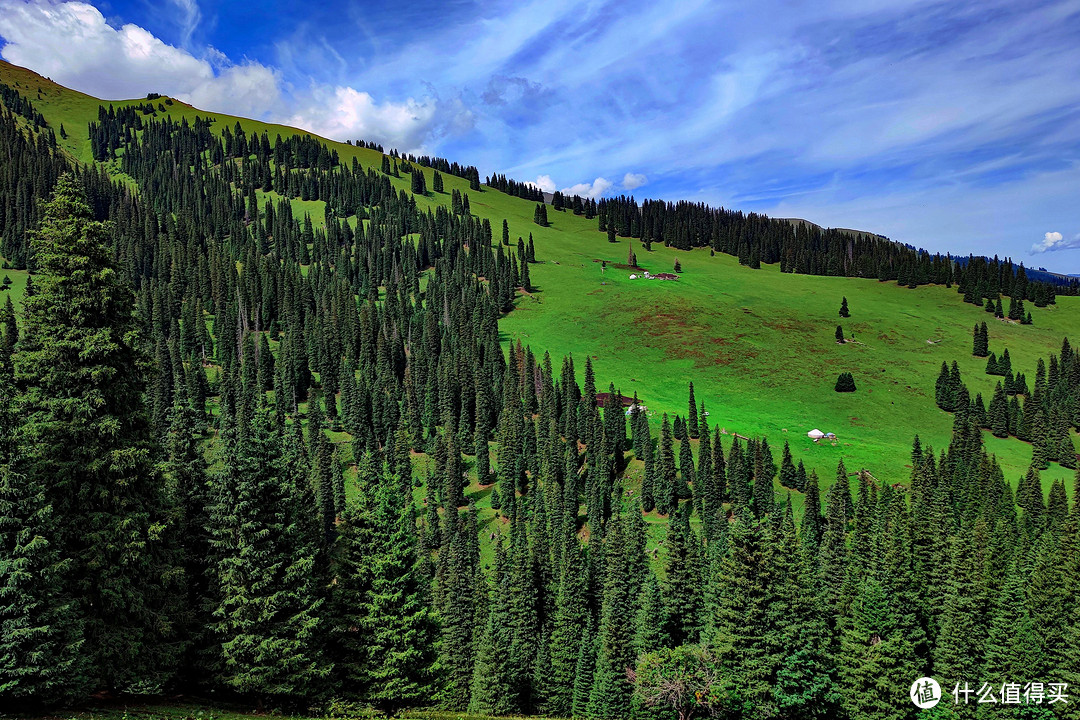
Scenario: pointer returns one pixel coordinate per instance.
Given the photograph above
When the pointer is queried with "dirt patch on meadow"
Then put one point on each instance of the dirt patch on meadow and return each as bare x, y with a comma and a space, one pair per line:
685, 331
619, 266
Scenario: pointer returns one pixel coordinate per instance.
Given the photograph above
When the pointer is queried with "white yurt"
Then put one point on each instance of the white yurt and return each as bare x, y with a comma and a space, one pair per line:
815, 434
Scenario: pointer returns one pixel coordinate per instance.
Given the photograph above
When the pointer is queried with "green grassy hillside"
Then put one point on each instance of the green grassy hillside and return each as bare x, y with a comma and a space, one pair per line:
758, 345
760, 348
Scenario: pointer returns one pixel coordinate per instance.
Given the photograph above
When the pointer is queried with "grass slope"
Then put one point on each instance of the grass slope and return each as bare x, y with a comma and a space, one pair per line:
758, 345
760, 348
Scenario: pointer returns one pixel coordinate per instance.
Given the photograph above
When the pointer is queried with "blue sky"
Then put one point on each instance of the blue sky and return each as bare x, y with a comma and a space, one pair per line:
954, 126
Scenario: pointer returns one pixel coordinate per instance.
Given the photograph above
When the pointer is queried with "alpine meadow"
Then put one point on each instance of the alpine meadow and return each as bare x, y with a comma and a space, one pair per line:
330, 429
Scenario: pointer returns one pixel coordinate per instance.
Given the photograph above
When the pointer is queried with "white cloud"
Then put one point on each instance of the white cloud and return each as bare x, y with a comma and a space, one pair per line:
595, 189
632, 181
1055, 241
346, 113
545, 183
249, 90
1049, 240
72, 43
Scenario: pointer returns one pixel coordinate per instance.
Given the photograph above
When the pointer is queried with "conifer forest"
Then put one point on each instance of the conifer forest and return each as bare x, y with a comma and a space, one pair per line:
263, 440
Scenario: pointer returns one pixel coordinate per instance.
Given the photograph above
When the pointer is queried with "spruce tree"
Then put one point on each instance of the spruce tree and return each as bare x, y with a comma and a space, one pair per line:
739, 626
998, 413
609, 698
665, 487
584, 672
186, 472
943, 394
812, 524
10, 333
980, 341
569, 626
492, 691
264, 534
704, 478
42, 657
649, 634
739, 477
833, 551
692, 416
522, 602
84, 437
648, 480
686, 465
873, 647
1040, 438
458, 614
680, 588
787, 469
393, 614
764, 494
959, 649
712, 492
804, 685
1011, 633
1051, 601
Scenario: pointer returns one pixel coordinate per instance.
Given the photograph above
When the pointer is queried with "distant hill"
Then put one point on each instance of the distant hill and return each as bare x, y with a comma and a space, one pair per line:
857, 233
1037, 274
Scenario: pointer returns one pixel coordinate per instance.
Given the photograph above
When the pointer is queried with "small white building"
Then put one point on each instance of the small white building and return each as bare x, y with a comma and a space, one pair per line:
815, 434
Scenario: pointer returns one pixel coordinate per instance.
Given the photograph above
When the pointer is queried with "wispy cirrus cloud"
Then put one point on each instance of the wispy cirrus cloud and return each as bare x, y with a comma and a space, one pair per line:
190, 17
